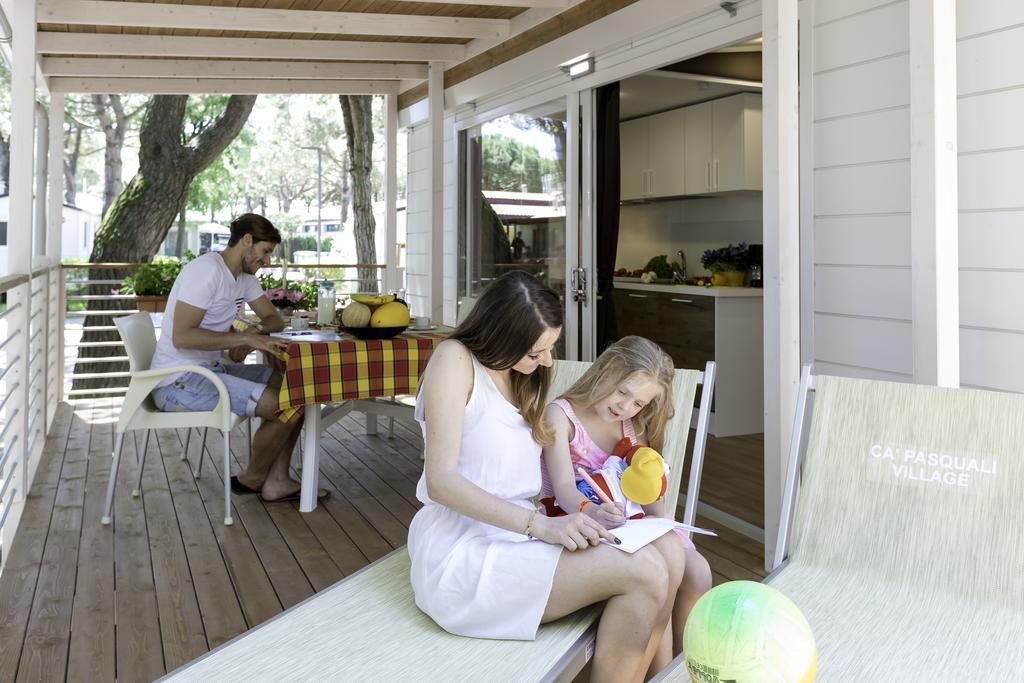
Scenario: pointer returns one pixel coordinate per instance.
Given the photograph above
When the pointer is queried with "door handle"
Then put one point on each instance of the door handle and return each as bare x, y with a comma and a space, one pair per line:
639, 296
716, 174
683, 301
707, 176
650, 185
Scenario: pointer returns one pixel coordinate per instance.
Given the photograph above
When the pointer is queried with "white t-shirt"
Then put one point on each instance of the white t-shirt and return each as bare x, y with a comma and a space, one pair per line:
204, 283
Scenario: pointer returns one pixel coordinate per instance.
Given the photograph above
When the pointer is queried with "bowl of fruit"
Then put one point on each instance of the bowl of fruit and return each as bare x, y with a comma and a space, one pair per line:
375, 316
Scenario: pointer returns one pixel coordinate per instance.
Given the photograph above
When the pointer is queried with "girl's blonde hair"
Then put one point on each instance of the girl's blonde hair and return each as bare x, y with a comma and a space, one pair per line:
629, 356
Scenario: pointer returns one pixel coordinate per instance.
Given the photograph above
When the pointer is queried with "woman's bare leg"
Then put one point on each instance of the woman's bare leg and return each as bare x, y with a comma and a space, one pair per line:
636, 587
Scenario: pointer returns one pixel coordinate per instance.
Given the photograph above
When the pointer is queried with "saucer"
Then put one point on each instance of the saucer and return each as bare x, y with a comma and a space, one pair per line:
428, 328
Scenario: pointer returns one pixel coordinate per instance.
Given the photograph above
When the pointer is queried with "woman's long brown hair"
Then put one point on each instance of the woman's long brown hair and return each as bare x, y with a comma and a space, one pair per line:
511, 314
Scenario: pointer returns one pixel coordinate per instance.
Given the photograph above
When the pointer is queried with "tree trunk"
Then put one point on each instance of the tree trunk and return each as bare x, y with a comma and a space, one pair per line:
114, 130
358, 113
346, 188
141, 216
71, 166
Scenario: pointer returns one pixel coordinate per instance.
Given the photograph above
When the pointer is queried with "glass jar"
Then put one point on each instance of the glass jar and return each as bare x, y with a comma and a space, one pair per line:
325, 302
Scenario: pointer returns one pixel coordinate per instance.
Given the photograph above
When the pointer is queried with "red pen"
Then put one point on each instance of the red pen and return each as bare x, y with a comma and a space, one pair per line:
593, 484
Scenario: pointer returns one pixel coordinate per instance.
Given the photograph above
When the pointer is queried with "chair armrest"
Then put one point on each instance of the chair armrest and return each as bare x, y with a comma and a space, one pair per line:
143, 382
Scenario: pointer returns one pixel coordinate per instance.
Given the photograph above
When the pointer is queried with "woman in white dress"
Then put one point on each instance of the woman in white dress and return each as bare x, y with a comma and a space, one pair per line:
477, 566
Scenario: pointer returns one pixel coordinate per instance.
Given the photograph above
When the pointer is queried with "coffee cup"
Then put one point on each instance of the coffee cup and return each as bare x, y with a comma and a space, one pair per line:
420, 322
300, 322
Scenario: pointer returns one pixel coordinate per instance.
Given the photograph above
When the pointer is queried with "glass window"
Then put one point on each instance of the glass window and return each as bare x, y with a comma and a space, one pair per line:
512, 204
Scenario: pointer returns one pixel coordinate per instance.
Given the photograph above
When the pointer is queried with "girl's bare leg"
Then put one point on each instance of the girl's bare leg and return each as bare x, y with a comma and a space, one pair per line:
636, 589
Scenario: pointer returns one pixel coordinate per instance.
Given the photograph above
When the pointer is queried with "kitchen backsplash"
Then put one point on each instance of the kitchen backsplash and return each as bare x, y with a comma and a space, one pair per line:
646, 230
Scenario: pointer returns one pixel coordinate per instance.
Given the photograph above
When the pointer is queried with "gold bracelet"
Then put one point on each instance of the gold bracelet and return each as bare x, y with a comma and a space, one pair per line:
529, 523
583, 504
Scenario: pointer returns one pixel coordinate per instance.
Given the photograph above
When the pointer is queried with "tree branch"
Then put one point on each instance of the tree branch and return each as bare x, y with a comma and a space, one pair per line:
217, 137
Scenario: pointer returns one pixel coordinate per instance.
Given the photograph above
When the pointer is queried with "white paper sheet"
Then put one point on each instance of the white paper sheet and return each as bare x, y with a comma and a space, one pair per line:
636, 533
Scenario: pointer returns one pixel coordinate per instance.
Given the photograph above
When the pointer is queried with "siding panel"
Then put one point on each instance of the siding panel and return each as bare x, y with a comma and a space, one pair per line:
840, 43
862, 342
880, 136
881, 188
863, 240
991, 121
992, 240
992, 359
873, 292
983, 300
864, 88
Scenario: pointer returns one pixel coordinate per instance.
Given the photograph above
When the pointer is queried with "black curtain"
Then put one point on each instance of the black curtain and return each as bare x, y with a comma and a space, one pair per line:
606, 156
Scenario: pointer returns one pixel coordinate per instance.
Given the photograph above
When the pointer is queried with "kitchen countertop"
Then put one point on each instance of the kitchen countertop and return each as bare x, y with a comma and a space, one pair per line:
718, 292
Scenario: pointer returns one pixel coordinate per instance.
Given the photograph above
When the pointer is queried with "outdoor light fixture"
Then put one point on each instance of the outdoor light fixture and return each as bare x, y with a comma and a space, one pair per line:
578, 66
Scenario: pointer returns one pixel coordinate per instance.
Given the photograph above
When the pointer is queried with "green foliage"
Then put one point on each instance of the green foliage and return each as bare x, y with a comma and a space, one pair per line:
509, 164
299, 294
660, 265
308, 243
156, 278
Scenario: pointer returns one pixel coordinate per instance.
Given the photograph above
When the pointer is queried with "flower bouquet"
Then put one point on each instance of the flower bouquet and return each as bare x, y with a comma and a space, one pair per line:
728, 265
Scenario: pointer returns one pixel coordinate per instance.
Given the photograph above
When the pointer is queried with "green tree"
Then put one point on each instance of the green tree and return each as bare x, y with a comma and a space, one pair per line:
509, 165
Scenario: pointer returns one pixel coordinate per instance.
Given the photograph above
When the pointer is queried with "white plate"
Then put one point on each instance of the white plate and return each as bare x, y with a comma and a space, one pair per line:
422, 329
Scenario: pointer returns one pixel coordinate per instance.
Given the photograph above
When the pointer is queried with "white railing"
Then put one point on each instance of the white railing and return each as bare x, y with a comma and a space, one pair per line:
29, 380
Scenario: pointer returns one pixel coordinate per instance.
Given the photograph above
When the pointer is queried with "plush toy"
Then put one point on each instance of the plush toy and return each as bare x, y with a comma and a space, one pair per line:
633, 475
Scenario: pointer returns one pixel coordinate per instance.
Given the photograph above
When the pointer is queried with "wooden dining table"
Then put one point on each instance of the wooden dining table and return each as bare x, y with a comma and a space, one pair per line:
326, 380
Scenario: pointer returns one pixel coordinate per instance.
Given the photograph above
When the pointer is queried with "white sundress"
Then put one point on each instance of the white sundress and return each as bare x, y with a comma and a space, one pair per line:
472, 578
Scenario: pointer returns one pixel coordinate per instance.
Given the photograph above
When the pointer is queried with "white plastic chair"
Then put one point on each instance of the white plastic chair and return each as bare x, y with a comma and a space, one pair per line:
139, 411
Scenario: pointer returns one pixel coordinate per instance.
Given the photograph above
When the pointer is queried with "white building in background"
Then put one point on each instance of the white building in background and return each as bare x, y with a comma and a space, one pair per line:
80, 224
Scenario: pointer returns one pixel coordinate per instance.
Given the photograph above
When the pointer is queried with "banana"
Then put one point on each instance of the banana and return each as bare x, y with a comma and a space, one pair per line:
373, 299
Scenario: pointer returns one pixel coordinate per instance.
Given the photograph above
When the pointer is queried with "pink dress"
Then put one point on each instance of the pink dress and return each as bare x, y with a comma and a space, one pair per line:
588, 455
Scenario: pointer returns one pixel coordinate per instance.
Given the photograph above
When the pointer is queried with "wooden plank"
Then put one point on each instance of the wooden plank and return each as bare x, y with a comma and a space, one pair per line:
407, 445
18, 583
335, 477
218, 604
182, 635
277, 558
563, 23
139, 652
92, 650
231, 86
394, 502
363, 534
211, 68
156, 15
243, 48
47, 635
252, 585
377, 454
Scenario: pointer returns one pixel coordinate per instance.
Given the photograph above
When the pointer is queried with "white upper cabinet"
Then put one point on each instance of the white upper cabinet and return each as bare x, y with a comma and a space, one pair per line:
667, 154
633, 158
704, 148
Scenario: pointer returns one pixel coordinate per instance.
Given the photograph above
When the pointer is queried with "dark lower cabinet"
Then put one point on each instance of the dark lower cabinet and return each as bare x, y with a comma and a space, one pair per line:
683, 325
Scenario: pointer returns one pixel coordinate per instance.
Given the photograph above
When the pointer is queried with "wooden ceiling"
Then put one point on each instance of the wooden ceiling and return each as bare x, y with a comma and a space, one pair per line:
234, 46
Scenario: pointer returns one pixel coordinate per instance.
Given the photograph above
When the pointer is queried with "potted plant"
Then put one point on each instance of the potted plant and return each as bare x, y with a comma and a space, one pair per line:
291, 296
152, 282
728, 265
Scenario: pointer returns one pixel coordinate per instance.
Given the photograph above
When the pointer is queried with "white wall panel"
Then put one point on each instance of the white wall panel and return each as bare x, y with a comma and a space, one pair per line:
992, 359
992, 180
864, 342
988, 298
990, 62
992, 239
981, 16
878, 188
823, 368
878, 136
863, 88
871, 292
841, 42
991, 121
829, 10
863, 240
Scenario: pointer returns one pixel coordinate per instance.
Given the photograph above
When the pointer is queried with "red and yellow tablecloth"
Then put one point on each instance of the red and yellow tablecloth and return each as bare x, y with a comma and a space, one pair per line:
332, 372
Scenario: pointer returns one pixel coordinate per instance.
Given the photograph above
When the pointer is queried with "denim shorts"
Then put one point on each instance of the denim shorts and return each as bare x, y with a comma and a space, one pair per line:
192, 392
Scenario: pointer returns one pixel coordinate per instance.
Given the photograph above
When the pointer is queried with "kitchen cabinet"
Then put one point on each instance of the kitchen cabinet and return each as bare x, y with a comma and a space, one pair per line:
697, 325
723, 145
651, 156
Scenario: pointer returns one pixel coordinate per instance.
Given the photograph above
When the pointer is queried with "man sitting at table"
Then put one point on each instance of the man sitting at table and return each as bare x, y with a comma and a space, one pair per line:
197, 327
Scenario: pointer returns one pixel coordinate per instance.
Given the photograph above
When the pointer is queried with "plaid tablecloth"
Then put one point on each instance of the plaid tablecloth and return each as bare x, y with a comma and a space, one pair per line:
332, 372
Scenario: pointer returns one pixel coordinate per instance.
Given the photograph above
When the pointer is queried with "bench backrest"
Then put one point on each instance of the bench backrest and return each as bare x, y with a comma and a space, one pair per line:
915, 485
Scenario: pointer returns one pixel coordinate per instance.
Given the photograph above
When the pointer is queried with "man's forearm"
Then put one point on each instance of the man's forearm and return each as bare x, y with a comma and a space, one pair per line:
207, 340
272, 323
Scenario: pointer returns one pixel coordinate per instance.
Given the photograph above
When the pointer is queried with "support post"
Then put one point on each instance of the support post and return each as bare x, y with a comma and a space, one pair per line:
52, 251
391, 279
781, 249
933, 193
435, 97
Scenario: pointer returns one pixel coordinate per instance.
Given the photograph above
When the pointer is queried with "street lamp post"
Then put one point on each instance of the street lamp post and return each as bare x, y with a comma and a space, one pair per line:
319, 204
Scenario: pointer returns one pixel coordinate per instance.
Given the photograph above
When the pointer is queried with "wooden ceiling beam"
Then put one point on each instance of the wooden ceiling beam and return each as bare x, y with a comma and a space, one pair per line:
217, 18
223, 86
119, 44
210, 68
555, 4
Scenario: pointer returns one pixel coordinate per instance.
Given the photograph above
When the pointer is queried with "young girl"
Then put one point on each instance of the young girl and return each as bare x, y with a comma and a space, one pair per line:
625, 394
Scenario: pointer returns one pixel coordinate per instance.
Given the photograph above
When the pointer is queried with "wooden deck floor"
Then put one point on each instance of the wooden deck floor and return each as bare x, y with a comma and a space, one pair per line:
79, 601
